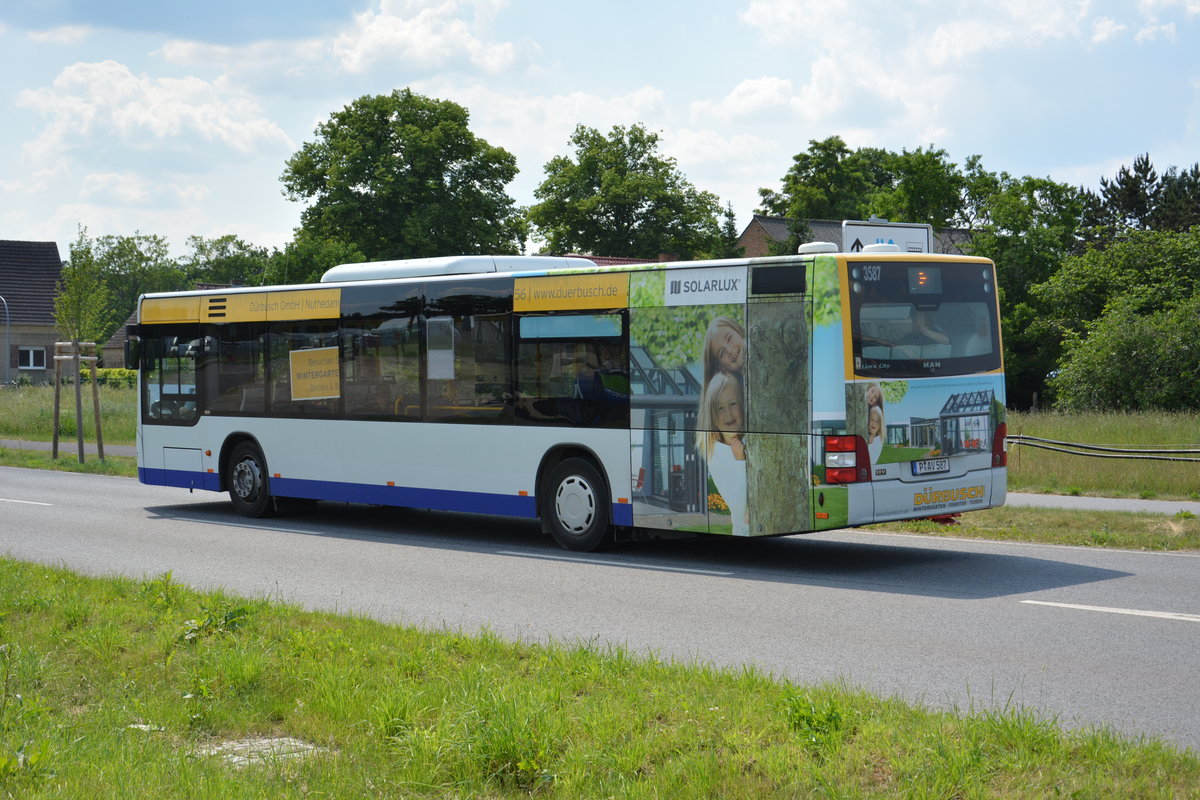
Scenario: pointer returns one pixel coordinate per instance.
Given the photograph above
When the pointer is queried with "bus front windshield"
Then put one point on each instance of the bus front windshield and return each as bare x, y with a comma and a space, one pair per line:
912, 320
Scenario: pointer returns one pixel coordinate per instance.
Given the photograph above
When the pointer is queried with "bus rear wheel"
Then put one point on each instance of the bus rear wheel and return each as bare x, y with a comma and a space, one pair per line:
249, 490
575, 506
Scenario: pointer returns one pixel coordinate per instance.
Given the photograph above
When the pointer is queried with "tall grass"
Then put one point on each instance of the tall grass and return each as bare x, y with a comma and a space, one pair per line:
1037, 470
126, 688
27, 412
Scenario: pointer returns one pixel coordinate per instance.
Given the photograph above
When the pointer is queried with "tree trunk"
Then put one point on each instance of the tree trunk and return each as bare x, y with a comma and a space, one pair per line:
777, 411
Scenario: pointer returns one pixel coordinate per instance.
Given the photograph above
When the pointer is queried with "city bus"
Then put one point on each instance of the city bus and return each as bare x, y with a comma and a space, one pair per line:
748, 397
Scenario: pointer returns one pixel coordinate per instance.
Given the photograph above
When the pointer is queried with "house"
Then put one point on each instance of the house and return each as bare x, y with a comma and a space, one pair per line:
29, 275
763, 231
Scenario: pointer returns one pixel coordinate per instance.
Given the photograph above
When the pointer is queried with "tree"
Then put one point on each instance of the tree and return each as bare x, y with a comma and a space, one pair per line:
1144, 271
225, 259
725, 245
1178, 201
1138, 198
618, 197
131, 266
831, 181
1132, 194
925, 187
826, 181
307, 257
402, 176
79, 306
1129, 360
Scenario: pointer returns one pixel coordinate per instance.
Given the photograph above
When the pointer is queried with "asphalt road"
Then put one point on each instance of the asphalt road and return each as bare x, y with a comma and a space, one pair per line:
1087, 636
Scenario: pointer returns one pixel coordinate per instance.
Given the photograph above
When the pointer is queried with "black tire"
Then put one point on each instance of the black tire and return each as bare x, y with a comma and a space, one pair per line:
249, 484
575, 507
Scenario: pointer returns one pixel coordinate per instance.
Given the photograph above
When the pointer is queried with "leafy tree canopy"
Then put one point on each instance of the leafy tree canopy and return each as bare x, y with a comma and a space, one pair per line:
1139, 198
80, 305
1133, 361
129, 267
225, 259
307, 257
402, 176
618, 197
831, 181
1143, 271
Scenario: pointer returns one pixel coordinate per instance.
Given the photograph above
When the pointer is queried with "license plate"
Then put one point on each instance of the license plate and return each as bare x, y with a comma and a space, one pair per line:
931, 466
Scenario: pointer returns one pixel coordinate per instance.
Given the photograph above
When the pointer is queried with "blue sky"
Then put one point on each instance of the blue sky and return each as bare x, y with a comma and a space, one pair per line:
176, 118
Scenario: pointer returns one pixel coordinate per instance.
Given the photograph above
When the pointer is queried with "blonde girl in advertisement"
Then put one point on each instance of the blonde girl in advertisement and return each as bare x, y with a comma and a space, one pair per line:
724, 348
876, 427
719, 439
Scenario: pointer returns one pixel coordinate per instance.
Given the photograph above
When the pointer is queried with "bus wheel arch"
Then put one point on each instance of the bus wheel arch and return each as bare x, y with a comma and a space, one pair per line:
246, 478
574, 500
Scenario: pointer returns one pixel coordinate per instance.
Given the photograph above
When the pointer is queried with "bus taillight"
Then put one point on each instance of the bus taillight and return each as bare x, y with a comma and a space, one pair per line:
846, 460
999, 454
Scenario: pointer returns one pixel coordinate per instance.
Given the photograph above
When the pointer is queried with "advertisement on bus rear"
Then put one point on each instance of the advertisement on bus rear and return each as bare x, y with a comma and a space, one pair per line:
929, 440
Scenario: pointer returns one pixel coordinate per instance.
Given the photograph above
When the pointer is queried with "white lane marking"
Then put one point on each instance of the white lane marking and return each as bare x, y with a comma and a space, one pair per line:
1130, 611
606, 563
24, 502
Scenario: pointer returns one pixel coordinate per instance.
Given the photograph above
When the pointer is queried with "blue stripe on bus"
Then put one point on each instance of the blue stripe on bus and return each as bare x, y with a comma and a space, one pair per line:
182, 478
437, 499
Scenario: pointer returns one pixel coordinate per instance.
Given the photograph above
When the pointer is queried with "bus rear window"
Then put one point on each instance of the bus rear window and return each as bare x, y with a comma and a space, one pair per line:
917, 320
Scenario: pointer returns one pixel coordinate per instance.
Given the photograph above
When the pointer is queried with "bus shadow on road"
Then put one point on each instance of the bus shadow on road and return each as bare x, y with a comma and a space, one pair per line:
953, 569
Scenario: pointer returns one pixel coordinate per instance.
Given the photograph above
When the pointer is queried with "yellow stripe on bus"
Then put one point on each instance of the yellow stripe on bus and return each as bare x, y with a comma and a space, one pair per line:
170, 309
569, 292
275, 306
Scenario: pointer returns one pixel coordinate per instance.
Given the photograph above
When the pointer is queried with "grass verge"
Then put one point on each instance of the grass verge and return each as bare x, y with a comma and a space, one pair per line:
68, 461
126, 688
1115, 529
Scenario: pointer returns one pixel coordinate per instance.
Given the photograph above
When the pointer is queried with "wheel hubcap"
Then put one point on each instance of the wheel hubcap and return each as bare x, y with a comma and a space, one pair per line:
247, 479
575, 504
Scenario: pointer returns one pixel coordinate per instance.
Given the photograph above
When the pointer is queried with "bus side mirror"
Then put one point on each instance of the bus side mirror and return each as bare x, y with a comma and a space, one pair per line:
133, 353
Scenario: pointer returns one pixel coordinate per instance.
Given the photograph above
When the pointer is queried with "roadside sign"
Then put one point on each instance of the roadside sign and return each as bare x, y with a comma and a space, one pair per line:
910, 237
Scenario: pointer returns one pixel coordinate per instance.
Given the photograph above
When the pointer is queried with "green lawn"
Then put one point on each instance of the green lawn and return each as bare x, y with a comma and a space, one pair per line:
122, 688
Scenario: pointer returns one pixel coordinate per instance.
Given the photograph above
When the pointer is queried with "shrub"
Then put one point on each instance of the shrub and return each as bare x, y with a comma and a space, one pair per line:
110, 377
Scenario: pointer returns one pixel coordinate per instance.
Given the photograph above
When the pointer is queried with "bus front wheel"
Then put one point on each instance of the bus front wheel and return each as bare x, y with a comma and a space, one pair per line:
248, 487
575, 506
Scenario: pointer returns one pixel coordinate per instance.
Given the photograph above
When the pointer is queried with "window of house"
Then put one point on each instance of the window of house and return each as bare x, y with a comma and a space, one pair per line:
31, 358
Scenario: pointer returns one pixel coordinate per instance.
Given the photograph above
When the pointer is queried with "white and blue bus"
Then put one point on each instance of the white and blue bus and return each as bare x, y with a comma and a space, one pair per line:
753, 397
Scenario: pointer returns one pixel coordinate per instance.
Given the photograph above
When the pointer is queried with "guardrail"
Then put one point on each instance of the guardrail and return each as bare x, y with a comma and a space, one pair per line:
1106, 451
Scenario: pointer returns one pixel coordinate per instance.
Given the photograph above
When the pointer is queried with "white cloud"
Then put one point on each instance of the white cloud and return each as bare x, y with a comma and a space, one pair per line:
798, 22
64, 34
1151, 8
750, 97
89, 101
1151, 33
426, 34
129, 189
1105, 29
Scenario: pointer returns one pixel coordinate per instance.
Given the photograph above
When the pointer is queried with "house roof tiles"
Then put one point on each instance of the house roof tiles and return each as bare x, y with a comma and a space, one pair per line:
29, 275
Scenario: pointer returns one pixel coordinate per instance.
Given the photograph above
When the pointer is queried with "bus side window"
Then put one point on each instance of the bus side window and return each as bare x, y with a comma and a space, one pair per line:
467, 368
234, 369
573, 370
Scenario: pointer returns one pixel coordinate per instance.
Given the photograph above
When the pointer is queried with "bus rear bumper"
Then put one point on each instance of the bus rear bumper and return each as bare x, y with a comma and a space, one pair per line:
973, 491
